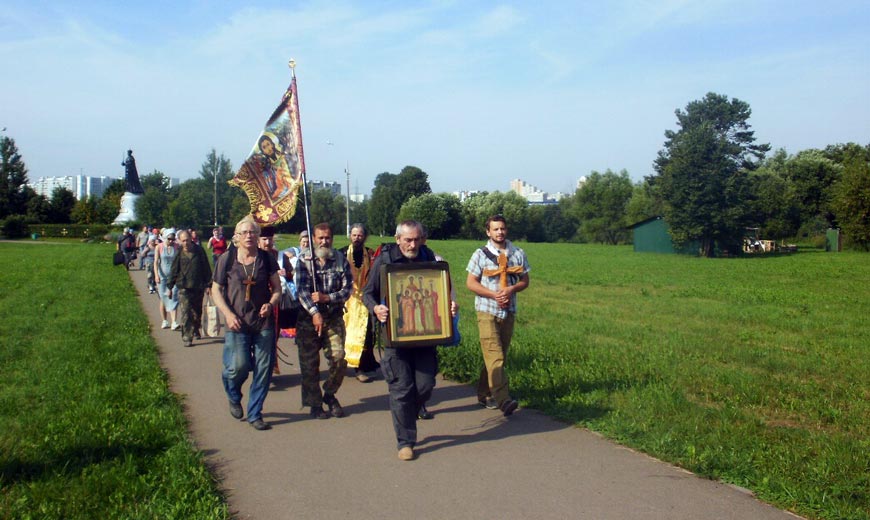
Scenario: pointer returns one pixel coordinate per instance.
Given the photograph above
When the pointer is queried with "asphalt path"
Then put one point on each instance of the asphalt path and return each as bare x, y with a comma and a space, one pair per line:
471, 462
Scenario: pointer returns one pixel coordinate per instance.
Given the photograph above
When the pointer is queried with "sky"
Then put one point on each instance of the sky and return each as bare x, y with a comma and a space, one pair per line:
475, 93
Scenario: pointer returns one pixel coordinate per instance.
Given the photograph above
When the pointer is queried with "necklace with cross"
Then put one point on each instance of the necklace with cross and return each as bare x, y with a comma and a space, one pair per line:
249, 279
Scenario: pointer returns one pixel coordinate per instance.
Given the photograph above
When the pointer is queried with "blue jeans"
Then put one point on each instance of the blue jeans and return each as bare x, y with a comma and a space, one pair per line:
243, 352
410, 374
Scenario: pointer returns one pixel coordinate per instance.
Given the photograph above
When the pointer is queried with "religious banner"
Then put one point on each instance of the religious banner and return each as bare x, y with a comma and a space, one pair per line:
418, 296
274, 170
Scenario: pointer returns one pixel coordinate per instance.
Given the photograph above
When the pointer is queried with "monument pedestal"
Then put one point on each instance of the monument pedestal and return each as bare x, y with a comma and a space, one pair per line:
128, 209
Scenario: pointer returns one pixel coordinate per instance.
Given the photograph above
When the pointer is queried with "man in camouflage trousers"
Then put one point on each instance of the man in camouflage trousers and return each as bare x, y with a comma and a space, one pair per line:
324, 284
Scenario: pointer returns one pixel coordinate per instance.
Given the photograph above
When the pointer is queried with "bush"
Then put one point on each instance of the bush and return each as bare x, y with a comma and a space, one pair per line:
87, 231
15, 226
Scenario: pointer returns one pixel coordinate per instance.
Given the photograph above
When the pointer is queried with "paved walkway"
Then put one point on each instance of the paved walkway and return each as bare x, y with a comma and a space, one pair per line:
472, 462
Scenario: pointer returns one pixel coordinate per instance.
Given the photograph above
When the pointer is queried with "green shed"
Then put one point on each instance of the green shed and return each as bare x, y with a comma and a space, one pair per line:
653, 236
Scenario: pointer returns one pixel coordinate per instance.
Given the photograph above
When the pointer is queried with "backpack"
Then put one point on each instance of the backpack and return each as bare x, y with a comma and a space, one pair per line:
129, 244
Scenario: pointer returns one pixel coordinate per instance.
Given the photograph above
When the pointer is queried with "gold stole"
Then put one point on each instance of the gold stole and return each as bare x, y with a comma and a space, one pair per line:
356, 317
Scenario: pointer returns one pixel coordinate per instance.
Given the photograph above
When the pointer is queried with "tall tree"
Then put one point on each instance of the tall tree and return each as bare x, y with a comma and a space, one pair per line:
477, 208
61, 205
13, 178
601, 204
851, 201
702, 170
390, 192
216, 171
813, 174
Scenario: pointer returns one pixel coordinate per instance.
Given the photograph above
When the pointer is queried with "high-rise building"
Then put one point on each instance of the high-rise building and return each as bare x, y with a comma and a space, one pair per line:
80, 185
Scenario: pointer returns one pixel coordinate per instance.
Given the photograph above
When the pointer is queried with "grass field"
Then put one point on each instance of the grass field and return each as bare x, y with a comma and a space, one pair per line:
750, 370
88, 427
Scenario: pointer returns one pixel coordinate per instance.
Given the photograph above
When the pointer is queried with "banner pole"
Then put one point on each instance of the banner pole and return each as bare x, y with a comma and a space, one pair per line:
304, 175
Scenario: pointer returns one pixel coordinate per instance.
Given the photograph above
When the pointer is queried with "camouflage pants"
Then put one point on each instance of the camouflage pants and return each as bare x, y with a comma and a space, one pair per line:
190, 317
331, 342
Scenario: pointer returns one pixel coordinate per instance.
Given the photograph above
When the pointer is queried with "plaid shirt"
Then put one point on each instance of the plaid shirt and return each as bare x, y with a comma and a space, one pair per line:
333, 278
479, 261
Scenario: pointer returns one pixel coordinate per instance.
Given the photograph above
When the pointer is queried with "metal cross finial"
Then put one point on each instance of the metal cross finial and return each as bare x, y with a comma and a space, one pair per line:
292, 63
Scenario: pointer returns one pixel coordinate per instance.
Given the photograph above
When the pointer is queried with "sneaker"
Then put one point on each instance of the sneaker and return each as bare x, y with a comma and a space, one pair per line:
188, 343
236, 410
406, 453
334, 407
318, 413
197, 335
509, 406
261, 425
164, 325
362, 377
175, 326
151, 291
488, 403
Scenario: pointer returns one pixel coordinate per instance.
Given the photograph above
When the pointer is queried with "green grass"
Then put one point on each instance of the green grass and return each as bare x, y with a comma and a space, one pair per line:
750, 370
88, 426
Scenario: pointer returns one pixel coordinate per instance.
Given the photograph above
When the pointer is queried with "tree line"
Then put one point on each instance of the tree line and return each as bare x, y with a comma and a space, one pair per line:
711, 182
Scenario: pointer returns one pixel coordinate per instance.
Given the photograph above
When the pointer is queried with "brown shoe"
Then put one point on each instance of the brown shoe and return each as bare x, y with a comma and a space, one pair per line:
406, 453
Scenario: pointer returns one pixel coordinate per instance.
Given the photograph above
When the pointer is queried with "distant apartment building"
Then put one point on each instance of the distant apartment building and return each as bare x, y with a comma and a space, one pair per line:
80, 185
331, 186
533, 194
465, 194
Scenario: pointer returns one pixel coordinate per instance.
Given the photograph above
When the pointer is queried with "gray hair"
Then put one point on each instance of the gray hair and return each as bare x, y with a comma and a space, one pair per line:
410, 224
360, 226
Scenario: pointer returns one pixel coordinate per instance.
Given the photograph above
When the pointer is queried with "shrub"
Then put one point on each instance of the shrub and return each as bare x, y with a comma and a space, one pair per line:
15, 226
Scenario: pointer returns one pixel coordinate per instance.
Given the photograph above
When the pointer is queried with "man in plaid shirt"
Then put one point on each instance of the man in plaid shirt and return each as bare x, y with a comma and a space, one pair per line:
496, 273
321, 322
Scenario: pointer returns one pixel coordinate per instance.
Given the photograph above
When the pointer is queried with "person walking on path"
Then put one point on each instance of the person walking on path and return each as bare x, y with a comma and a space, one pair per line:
496, 273
324, 284
163, 258
409, 372
141, 244
191, 273
217, 243
246, 289
359, 345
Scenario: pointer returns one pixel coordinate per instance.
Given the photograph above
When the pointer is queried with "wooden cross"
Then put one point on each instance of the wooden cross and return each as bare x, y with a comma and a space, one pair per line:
248, 283
503, 270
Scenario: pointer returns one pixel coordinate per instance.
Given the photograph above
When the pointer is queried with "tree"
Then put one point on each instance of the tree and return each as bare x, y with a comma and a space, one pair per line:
152, 205
477, 208
215, 172
440, 213
330, 208
37, 207
110, 204
851, 200
61, 205
702, 172
13, 178
390, 192
550, 223
774, 207
812, 175
156, 179
600, 206
84, 211
644, 203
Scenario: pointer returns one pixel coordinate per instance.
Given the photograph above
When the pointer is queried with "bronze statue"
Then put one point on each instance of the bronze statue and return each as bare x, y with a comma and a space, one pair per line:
131, 175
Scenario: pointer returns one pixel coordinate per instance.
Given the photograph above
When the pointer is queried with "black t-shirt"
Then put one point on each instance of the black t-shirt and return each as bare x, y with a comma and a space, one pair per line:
234, 289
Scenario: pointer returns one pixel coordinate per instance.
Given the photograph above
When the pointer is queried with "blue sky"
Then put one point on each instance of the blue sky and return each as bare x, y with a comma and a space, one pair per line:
475, 93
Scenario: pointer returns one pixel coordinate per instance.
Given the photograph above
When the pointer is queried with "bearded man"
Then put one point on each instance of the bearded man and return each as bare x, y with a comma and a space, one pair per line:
324, 284
359, 344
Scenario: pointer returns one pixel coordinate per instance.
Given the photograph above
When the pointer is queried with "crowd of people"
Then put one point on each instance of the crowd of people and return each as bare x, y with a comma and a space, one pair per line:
335, 301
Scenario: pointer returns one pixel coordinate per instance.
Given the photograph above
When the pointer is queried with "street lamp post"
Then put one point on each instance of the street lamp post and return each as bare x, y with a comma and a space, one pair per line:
347, 198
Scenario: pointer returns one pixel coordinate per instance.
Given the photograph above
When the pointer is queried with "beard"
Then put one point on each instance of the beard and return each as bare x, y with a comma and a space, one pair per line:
323, 253
410, 255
